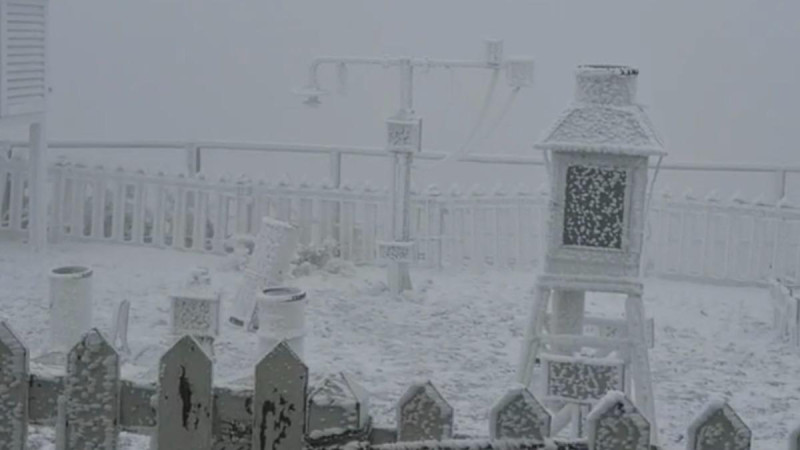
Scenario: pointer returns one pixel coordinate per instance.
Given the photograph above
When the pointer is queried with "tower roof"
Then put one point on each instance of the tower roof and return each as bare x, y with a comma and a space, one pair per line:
604, 116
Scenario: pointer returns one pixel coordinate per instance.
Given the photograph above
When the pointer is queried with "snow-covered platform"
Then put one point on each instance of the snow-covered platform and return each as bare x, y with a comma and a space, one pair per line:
462, 330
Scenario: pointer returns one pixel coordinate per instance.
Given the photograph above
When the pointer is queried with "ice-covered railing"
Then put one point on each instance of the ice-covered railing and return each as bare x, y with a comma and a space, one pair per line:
713, 237
90, 404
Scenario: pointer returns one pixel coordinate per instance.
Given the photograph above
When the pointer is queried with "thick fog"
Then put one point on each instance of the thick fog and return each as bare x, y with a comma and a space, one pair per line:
719, 77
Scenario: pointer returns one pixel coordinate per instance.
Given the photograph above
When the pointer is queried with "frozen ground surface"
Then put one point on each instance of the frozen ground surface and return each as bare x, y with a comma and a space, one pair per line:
462, 330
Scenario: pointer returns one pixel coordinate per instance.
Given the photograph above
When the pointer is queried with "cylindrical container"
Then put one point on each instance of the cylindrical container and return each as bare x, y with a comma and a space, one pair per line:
70, 305
281, 316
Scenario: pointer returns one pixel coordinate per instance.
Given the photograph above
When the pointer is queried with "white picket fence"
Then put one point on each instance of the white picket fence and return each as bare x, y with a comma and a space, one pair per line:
726, 241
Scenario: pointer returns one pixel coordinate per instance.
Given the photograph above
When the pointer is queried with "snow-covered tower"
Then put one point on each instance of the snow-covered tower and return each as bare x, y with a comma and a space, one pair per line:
597, 155
23, 92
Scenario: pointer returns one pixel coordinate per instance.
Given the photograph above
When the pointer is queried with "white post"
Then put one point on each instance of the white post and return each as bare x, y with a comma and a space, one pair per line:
37, 210
403, 140
192, 159
568, 314
779, 185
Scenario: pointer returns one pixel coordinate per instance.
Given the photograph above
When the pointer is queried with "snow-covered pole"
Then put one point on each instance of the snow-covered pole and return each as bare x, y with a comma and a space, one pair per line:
404, 136
37, 214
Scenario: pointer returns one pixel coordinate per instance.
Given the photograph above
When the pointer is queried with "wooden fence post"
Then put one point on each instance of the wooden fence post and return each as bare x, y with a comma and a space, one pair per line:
423, 414
615, 424
718, 427
279, 405
338, 410
92, 392
14, 393
519, 415
185, 398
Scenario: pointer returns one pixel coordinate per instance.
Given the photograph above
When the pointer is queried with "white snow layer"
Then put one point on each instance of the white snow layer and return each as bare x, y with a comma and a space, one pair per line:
462, 330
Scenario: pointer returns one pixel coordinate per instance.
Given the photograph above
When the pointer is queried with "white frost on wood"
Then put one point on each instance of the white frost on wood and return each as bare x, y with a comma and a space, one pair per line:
615, 424
422, 413
519, 415
718, 426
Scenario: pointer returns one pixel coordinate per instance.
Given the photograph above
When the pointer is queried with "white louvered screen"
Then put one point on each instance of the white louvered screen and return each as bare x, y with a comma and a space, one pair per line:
23, 56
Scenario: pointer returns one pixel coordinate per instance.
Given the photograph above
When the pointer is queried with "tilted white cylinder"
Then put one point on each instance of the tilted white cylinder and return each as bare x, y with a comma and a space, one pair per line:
70, 305
281, 316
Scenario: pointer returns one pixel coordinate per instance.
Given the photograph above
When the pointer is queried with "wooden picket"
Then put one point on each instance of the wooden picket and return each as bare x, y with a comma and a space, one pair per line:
423, 415
185, 400
91, 405
14, 392
91, 395
718, 427
279, 401
616, 424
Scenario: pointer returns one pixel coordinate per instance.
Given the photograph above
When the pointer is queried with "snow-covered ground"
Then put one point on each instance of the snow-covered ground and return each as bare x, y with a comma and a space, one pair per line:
462, 330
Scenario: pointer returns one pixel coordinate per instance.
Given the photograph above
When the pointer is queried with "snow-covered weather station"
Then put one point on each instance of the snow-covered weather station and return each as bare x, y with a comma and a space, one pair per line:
597, 153
23, 95
404, 137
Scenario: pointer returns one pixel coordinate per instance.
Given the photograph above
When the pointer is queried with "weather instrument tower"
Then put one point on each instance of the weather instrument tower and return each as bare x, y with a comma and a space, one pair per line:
404, 137
597, 155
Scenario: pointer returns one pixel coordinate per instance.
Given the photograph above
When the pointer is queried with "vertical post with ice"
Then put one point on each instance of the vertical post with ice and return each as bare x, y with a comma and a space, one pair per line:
404, 136
23, 96
597, 153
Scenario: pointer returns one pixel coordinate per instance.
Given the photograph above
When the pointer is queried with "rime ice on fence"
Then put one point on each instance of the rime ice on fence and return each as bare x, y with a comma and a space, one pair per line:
718, 427
279, 402
339, 406
519, 415
13, 390
423, 414
615, 424
91, 393
185, 398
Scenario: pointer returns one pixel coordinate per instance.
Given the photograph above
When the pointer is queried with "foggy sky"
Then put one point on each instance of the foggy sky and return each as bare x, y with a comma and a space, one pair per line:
720, 78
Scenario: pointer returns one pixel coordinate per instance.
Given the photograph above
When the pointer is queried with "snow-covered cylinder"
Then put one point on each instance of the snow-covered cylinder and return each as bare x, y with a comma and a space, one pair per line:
612, 85
281, 316
70, 305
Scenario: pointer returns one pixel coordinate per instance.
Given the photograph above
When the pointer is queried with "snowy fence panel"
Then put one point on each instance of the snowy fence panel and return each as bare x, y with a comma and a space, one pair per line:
728, 241
616, 424
718, 427
423, 415
519, 415
14, 392
91, 395
185, 398
233, 419
279, 402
